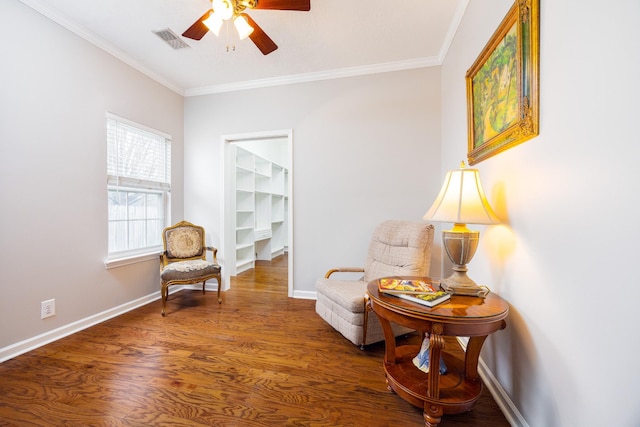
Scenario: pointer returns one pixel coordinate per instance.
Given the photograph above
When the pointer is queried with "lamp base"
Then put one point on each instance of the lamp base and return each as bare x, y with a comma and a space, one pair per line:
460, 244
460, 284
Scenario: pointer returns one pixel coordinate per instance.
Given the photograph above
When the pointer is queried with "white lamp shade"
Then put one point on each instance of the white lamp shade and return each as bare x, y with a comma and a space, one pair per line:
214, 23
243, 27
462, 200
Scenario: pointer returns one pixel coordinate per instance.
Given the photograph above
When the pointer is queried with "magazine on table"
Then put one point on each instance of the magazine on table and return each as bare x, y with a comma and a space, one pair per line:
422, 291
408, 286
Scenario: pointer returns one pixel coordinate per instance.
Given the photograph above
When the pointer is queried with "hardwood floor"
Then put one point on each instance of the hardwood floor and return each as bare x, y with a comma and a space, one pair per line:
258, 359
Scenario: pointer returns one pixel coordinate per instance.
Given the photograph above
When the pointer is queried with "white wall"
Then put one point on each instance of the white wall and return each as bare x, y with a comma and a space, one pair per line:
55, 89
275, 150
365, 149
568, 199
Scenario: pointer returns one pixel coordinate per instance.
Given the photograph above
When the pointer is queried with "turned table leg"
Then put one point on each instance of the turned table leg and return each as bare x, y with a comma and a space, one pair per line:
432, 414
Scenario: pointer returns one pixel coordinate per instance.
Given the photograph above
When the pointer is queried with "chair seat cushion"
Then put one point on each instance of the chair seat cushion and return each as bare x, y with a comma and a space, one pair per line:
186, 270
349, 322
349, 294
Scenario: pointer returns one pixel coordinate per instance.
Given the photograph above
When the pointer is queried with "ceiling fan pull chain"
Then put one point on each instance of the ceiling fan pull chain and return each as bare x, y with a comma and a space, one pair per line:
227, 36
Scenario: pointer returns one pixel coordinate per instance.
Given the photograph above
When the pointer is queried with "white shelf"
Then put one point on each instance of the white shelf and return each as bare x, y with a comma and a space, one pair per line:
242, 169
262, 234
261, 209
244, 160
244, 265
262, 166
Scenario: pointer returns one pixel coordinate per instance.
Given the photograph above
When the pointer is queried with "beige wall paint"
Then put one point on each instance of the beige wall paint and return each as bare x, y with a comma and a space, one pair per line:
566, 356
55, 90
365, 149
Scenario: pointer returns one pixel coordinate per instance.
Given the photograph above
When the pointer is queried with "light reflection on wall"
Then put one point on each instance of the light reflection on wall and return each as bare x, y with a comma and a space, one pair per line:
500, 242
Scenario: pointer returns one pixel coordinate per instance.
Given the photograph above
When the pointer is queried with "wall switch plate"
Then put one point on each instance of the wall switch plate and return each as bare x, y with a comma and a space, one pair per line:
47, 308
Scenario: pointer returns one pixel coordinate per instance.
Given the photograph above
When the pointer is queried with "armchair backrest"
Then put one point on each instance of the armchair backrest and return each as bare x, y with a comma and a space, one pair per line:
399, 248
183, 241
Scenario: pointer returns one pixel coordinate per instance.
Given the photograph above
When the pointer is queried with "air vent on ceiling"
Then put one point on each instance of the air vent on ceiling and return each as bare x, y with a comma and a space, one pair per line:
171, 39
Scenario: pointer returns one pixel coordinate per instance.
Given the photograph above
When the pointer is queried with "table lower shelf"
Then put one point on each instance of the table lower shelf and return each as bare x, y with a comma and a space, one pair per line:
457, 394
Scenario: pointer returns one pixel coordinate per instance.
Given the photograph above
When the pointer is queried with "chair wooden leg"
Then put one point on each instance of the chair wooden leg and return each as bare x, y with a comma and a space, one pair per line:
164, 293
219, 288
203, 285
367, 307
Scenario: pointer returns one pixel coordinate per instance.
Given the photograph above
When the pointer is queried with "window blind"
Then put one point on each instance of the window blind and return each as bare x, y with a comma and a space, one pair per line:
136, 157
138, 188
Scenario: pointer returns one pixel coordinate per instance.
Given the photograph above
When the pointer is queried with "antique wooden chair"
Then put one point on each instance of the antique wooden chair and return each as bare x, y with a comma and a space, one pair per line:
397, 248
184, 259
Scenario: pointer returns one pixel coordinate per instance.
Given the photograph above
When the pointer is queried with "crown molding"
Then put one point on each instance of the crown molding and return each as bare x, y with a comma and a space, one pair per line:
453, 28
310, 77
344, 72
81, 31
84, 33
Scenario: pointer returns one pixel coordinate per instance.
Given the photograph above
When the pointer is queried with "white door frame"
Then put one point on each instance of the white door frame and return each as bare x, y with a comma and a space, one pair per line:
228, 236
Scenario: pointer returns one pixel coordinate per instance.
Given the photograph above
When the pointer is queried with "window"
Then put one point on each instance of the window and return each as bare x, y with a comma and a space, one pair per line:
138, 187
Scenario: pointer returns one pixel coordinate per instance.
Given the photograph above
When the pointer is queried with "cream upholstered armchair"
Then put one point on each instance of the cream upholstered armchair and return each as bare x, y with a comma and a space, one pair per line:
397, 248
184, 259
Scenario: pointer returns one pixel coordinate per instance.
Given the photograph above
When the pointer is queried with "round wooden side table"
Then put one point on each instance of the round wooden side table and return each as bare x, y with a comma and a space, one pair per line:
462, 316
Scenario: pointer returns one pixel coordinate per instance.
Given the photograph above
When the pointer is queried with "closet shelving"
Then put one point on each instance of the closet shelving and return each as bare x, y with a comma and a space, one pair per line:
260, 209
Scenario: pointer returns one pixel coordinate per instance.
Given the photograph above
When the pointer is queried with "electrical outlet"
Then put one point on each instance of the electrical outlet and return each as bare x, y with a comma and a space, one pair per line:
47, 308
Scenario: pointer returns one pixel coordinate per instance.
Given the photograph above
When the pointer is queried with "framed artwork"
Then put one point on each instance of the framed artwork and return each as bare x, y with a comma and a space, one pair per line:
502, 85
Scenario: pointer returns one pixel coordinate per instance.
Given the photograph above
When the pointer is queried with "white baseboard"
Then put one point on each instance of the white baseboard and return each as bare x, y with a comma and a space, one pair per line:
208, 287
501, 397
503, 400
29, 344
304, 294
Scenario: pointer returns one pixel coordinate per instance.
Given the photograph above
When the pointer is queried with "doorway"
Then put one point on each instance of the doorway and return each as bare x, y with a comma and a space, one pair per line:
234, 222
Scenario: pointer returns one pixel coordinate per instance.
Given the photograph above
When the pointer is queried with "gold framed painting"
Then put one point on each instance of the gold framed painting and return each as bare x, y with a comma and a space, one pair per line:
502, 85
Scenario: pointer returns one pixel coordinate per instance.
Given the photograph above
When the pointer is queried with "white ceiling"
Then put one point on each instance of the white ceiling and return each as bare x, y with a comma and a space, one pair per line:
336, 38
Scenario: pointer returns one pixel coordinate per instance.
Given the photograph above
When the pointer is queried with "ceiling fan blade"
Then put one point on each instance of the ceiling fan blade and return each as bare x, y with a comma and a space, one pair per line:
303, 5
260, 38
198, 29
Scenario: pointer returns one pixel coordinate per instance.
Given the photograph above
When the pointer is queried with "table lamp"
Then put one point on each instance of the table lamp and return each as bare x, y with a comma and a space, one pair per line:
461, 201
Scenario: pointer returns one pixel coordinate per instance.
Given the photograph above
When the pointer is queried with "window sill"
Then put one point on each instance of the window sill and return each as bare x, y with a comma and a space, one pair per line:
133, 259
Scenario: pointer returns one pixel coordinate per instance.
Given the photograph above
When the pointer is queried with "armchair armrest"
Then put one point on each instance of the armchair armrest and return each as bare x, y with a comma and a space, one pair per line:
215, 253
344, 270
163, 260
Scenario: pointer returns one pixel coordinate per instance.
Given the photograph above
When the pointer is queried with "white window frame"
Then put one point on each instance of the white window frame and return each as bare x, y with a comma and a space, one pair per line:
128, 184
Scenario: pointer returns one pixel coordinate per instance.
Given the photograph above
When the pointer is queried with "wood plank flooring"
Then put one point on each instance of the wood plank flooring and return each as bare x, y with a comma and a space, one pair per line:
258, 359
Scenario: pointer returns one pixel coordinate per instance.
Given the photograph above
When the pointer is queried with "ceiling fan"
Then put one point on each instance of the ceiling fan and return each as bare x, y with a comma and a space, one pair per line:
225, 10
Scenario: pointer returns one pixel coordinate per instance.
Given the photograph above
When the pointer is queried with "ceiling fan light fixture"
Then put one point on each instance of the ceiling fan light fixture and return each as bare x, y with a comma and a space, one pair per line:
214, 23
243, 27
222, 8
